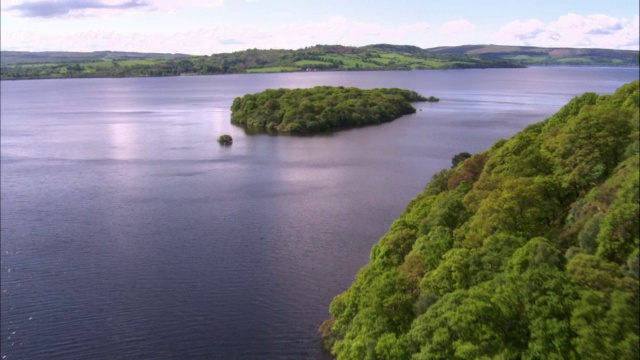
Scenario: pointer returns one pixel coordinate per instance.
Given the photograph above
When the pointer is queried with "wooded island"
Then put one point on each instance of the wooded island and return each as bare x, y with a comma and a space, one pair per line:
321, 109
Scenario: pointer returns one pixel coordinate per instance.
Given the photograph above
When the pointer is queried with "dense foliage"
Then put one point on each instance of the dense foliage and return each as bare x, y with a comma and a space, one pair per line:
20, 65
321, 109
528, 250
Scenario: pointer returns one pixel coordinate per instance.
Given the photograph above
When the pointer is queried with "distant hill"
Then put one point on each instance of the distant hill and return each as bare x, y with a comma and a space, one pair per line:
529, 55
49, 57
17, 65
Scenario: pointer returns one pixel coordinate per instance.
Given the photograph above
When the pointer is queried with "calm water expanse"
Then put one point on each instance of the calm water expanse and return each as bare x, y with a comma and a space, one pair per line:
129, 233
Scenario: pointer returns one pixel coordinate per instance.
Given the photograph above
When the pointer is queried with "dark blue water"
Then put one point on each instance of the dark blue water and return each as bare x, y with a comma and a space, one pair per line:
129, 233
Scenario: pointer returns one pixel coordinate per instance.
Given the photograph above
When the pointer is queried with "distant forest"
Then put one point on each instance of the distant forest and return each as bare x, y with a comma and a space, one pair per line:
528, 250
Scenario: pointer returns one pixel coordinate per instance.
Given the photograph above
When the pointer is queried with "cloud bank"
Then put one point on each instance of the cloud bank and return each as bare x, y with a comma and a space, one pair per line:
82, 8
162, 26
571, 30
222, 38
56, 8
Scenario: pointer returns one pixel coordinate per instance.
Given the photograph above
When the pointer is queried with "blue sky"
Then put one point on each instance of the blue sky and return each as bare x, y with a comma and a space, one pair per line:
214, 26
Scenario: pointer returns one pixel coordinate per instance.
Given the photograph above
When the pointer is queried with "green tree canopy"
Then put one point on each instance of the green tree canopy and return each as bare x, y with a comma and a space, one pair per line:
320, 109
528, 250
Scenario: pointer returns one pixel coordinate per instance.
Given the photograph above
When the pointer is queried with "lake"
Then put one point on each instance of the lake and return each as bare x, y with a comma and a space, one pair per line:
128, 232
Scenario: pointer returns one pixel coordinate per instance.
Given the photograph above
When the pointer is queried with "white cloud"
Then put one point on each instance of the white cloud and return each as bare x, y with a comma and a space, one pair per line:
571, 30
220, 38
457, 27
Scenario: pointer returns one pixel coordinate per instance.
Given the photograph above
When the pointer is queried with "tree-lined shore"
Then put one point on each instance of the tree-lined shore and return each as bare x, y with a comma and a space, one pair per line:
16, 65
528, 250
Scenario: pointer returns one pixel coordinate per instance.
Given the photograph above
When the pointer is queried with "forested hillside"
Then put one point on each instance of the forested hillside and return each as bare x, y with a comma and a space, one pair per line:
321, 109
531, 55
528, 250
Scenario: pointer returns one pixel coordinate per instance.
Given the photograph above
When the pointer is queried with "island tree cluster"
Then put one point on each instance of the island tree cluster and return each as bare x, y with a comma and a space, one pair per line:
528, 250
321, 109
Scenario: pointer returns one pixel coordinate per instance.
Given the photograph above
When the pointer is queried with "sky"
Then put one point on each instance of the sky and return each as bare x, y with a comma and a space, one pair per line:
204, 27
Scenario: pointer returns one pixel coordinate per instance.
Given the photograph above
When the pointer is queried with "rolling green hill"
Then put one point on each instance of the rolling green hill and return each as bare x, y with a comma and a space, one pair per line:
54, 57
528, 250
529, 55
